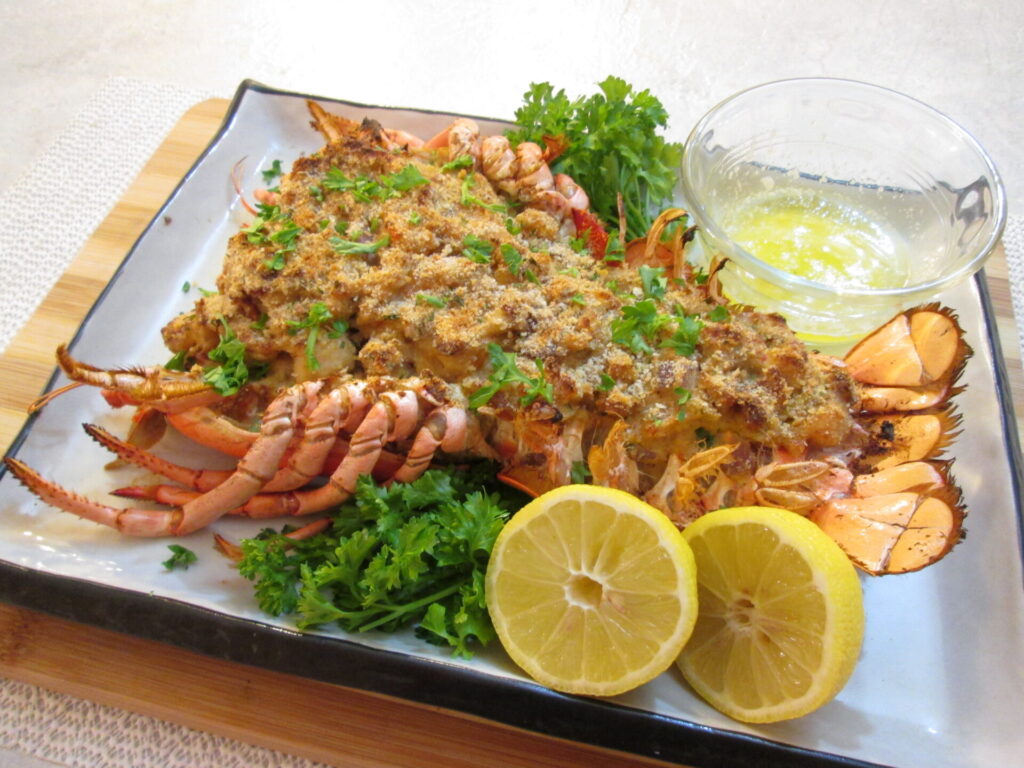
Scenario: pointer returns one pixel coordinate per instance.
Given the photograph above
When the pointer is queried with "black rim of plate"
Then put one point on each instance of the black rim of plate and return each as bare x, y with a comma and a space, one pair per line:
518, 703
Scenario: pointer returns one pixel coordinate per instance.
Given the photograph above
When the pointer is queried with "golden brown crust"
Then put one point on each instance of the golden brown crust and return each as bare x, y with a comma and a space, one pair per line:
418, 304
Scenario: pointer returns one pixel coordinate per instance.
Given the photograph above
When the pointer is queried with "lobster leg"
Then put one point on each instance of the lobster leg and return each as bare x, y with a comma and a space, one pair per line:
305, 463
207, 427
167, 391
252, 472
429, 438
364, 451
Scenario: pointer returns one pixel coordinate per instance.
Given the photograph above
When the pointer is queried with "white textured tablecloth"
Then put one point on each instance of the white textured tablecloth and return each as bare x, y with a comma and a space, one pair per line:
58, 203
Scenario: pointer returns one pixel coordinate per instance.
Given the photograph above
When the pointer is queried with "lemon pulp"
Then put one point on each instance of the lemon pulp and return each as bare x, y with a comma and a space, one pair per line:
781, 614
818, 238
591, 590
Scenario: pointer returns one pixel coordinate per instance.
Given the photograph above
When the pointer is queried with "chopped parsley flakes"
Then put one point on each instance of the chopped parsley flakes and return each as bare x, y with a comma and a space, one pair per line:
228, 377
317, 316
506, 372
181, 557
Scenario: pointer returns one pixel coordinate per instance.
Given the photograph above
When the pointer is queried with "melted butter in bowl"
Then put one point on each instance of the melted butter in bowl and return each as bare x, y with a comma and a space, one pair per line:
812, 236
837, 204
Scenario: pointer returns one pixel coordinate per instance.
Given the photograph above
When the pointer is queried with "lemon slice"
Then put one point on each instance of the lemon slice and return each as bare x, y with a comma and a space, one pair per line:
781, 614
591, 590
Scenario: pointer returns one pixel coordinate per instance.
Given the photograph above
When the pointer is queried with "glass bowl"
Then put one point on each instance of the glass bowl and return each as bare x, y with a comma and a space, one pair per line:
887, 202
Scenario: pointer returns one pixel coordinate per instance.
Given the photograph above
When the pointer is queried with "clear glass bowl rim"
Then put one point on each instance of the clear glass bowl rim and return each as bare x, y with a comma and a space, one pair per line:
779, 277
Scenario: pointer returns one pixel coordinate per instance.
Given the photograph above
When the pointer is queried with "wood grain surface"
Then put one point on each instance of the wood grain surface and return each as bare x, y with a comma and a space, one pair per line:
323, 722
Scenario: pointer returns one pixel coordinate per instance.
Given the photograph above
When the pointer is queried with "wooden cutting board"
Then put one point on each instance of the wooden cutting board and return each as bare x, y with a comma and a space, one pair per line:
322, 722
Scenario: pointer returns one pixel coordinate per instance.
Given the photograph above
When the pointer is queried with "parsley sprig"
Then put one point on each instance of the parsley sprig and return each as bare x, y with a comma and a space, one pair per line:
611, 146
406, 554
506, 372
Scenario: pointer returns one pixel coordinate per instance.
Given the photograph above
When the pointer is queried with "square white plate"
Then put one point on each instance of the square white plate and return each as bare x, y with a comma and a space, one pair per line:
940, 681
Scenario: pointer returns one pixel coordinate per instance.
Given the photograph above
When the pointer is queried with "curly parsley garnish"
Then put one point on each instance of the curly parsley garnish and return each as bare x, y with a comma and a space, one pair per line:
719, 314
639, 326
611, 146
410, 553
654, 282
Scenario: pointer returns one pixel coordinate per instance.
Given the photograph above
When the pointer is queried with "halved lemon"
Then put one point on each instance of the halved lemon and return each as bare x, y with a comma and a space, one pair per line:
591, 590
781, 614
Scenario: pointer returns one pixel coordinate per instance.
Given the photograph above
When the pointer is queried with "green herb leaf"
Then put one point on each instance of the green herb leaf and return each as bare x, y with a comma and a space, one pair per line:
232, 373
615, 250
317, 315
579, 472
406, 179
181, 557
477, 249
654, 282
513, 259
433, 301
468, 198
638, 326
351, 247
505, 372
462, 161
366, 189
607, 383
271, 173
276, 262
719, 314
579, 244
685, 336
683, 396
176, 363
